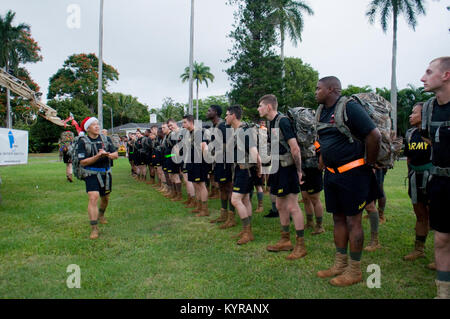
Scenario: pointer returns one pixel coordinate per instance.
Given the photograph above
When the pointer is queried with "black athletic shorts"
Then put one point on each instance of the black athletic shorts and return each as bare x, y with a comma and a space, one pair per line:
421, 191
438, 190
93, 185
197, 172
223, 172
183, 167
285, 181
312, 181
348, 193
66, 158
244, 180
173, 168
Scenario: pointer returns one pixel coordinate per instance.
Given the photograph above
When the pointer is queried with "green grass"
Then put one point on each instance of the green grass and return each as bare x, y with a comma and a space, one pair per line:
153, 248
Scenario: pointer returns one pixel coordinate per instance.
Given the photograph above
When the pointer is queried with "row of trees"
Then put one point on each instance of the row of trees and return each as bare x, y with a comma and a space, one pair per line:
262, 25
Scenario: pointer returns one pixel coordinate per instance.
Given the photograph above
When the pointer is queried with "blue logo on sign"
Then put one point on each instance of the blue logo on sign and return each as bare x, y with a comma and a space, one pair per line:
11, 139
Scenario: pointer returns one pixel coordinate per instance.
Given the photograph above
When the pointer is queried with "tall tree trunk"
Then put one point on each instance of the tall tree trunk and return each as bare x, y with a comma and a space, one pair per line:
100, 69
191, 60
8, 103
197, 101
283, 72
394, 74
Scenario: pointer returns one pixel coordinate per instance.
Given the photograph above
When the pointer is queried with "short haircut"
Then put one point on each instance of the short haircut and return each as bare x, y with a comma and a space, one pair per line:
147, 130
444, 63
171, 121
189, 118
332, 82
236, 110
217, 109
269, 99
418, 104
153, 126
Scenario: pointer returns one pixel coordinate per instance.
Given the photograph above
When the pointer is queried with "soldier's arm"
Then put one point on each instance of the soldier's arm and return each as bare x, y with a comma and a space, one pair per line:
372, 146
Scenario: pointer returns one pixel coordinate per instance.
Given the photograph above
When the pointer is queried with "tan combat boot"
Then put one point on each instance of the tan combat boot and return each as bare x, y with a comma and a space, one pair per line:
230, 222
204, 211
299, 249
192, 204
432, 266
382, 217
187, 201
102, 219
351, 275
222, 218
340, 263
284, 244
94, 232
198, 207
309, 223
374, 243
318, 229
418, 252
260, 208
443, 289
247, 235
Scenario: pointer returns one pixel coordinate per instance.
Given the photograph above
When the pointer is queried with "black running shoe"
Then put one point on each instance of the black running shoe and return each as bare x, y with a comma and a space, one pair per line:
272, 214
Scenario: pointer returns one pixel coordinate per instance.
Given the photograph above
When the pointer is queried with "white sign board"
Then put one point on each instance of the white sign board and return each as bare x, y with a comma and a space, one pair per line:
153, 118
13, 147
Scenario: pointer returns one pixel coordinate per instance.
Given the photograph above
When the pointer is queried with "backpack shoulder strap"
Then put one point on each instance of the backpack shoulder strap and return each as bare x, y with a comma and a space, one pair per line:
427, 113
340, 116
409, 134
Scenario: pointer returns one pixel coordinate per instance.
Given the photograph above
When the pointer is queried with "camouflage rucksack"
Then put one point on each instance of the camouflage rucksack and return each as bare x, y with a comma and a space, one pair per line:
66, 140
303, 122
379, 110
78, 170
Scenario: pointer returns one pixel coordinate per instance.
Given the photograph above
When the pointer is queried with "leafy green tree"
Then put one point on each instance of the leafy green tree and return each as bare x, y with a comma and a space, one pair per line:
205, 104
287, 15
78, 79
393, 8
169, 110
17, 47
126, 109
352, 89
256, 69
201, 74
300, 84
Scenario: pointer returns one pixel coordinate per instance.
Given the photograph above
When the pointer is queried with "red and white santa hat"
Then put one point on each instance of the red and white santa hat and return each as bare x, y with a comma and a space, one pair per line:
87, 122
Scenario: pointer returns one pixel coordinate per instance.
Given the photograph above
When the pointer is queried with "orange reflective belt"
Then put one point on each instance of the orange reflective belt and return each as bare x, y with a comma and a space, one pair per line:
348, 166
317, 145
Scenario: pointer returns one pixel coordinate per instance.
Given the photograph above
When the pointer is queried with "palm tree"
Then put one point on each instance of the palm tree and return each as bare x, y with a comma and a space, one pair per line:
201, 73
287, 15
393, 8
17, 47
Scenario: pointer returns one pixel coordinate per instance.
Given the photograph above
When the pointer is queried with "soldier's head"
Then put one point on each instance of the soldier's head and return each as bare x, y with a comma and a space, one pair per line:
214, 111
328, 89
416, 114
154, 129
437, 75
147, 132
188, 122
267, 105
234, 113
172, 124
91, 126
165, 128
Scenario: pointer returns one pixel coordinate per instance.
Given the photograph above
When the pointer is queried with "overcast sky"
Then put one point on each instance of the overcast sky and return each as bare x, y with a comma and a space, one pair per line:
147, 41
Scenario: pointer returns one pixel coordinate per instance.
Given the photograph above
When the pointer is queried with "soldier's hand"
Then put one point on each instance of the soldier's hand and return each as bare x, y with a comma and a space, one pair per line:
300, 175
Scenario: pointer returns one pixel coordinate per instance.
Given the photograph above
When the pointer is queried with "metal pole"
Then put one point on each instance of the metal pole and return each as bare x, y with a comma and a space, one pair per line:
8, 104
100, 69
191, 61
112, 122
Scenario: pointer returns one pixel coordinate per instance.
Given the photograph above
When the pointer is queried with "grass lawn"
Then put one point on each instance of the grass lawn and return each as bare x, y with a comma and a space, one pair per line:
153, 248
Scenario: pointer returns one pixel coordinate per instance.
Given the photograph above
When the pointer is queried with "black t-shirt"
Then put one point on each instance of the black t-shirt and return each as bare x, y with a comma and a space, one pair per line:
335, 147
417, 150
246, 136
96, 145
287, 130
196, 138
441, 150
